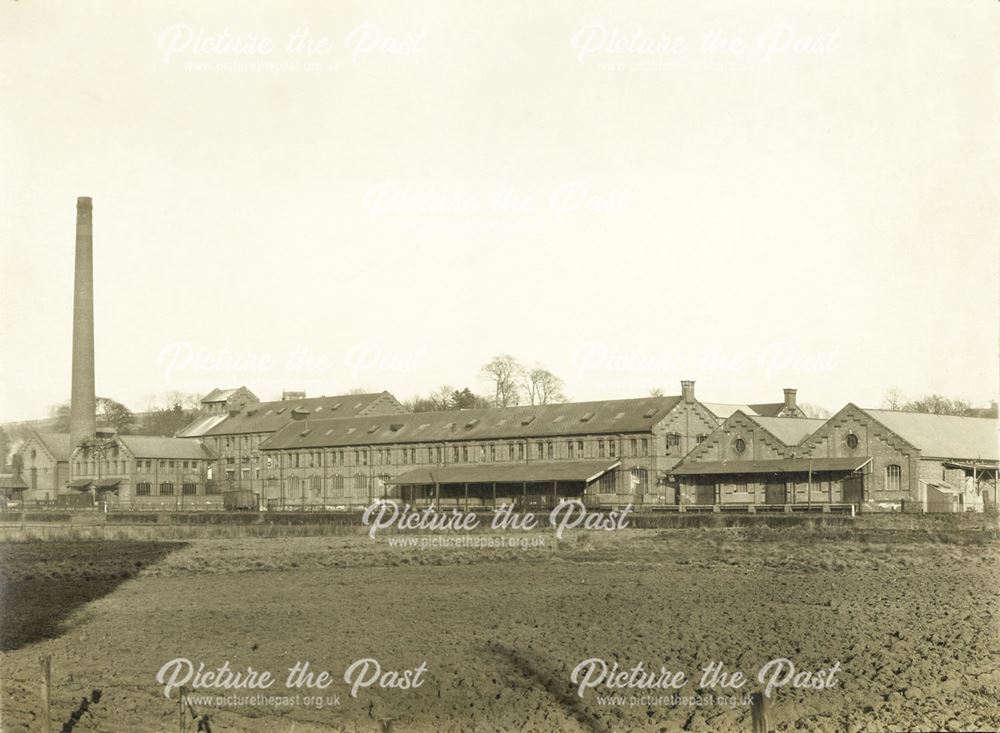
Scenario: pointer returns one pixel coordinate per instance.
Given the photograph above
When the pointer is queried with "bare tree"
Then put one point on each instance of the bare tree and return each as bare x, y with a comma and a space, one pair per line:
503, 372
815, 411
936, 404
893, 399
542, 387
656, 392
933, 404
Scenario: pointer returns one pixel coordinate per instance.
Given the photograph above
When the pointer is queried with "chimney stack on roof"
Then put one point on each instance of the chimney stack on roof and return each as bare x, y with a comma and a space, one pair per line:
687, 390
83, 401
790, 398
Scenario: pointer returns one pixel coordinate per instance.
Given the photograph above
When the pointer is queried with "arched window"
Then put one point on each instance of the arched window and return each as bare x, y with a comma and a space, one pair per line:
740, 445
893, 477
852, 441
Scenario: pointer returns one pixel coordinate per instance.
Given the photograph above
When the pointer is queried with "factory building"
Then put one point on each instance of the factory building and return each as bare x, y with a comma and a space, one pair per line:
235, 437
144, 472
224, 401
611, 451
752, 461
879, 460
917, 459
43, 463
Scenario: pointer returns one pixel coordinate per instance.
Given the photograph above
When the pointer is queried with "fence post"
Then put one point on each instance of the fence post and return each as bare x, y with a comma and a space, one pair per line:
759, 710
46, 663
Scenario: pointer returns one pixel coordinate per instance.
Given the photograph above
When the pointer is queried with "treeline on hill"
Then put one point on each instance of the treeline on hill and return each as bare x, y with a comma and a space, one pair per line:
165, 416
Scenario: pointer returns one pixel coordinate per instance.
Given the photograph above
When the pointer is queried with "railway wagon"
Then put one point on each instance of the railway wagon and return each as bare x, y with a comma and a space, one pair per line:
241, 500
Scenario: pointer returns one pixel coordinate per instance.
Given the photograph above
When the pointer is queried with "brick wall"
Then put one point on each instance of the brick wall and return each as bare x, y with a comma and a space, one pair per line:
885, 448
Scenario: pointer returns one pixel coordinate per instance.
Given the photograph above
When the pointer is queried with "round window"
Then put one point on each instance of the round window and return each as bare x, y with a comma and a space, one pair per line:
852, 440
740, 445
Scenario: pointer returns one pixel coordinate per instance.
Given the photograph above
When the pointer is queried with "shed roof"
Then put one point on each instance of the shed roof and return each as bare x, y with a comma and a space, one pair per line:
11, 481
944, 436
538, 421
509, 473
200, 426
778, 465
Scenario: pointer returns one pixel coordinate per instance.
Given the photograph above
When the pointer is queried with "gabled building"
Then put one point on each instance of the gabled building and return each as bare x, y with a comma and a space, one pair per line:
875, 460
145, 472
755, 460
611, 451
235, 437
224, 401
44, 460
914, 456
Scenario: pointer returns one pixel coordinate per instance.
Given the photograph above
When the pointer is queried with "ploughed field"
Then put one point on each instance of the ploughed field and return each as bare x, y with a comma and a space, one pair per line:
911, 617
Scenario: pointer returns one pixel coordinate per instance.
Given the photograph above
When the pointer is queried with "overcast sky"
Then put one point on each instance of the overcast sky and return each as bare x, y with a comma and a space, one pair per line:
750, 195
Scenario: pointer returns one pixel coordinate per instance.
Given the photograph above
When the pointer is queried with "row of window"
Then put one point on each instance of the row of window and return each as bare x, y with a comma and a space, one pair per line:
108, 467
540, 450
166, 488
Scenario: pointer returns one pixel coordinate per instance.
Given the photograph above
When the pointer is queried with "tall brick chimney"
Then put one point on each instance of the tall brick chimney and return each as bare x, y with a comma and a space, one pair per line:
687, 390
790, 398
82, 399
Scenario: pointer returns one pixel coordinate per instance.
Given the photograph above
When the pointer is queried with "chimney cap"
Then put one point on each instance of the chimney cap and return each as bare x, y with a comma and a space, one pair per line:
84, 202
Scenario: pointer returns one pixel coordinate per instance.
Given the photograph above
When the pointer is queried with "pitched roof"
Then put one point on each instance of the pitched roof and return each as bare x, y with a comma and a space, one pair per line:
57, 444
768, 409
220, 395
538, 421
150, 446
789, 430
943, 436
267, 417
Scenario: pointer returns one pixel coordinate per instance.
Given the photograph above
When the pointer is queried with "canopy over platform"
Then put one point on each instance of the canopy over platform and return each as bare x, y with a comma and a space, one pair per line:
81, 484
783, 465
580, 471
972, 465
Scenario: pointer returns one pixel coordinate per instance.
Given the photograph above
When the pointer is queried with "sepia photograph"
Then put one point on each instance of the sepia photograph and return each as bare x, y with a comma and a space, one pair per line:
441, 366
